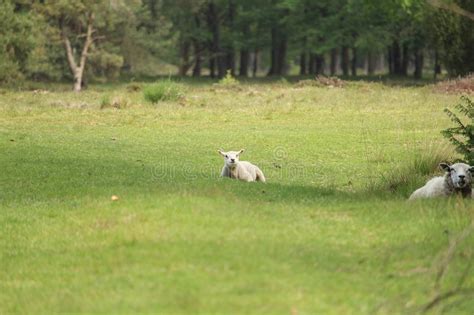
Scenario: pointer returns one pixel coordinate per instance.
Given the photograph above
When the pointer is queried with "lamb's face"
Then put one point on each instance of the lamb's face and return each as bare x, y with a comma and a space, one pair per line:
460, 173
231, 158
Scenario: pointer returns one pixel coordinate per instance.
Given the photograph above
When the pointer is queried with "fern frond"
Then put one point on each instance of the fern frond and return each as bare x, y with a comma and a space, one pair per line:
461, 135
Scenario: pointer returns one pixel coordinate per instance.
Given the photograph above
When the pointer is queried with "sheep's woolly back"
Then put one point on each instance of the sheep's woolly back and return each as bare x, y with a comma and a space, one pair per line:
440, 186
245, 171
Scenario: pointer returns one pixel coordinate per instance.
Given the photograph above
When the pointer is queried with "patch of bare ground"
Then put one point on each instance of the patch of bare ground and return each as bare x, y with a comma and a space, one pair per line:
322, 81
460, 85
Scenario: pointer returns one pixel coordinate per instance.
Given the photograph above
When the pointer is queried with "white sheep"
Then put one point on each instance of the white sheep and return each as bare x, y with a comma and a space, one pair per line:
456, 180
242, 170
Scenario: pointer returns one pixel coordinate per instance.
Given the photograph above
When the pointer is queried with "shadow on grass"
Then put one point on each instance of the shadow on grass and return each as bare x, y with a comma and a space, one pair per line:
283, 193
36, 173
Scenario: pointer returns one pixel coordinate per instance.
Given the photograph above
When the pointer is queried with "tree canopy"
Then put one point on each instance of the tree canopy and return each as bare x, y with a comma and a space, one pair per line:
86, 40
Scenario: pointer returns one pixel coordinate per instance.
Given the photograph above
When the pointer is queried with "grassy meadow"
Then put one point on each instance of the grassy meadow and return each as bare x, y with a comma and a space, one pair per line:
331, 232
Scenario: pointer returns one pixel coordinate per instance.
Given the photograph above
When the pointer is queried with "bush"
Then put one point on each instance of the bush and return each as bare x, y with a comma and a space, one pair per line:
116, 102
229, 80
409, 176
16, 42
134, 87
321, 81
163, 91
462, 135
105, 65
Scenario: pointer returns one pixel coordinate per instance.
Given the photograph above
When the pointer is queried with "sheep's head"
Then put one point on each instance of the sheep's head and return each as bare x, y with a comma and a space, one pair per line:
231, 158
460, 174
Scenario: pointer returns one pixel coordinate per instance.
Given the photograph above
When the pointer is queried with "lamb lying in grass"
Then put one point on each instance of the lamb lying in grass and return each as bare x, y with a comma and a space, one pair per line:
242, 170
457, 180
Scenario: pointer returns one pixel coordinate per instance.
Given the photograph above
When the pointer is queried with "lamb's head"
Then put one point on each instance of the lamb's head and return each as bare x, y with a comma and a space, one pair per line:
460, 174
231, 158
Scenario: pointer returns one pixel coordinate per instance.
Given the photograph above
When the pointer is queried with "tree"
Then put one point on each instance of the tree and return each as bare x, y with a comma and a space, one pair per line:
252, 33
452, 34
154, 34
99, 39
216, 61
277, 19
186, 17
17, 40
75, 22
452, 7
462, 135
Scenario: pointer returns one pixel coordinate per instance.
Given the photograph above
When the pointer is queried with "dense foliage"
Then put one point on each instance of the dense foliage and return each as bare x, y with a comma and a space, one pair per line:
462, 135
16, 41
213, 37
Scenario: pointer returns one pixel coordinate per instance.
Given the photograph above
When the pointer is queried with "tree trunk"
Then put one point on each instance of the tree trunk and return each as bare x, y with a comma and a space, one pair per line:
78, 69
370, 63
345, 60
278, 52
273, 53
212, 66
230, 63
216, 58
303, 54
303, 63
197, 50
354, 62
419, 60
312, 64
184, 51
390, 60
333, 65
396, 58
282, 48
230, 55
245, 55
244, 62
405, 60
77, 82
197, 59
319, 64
255, 63
437, 66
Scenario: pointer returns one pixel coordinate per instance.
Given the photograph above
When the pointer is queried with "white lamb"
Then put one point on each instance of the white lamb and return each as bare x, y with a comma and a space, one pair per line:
456, 180
242, 170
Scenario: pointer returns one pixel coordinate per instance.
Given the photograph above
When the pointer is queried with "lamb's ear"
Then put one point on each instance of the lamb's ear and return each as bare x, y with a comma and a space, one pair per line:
221, 152
445, 167
471, 169
241, 151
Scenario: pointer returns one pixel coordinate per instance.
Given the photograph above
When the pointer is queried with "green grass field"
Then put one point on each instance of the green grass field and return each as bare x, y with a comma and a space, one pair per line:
330, 232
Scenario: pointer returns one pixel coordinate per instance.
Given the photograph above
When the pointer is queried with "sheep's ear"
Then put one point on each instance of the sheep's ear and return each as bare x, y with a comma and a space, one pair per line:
221, 152
471, 169
445, 167
241, 151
